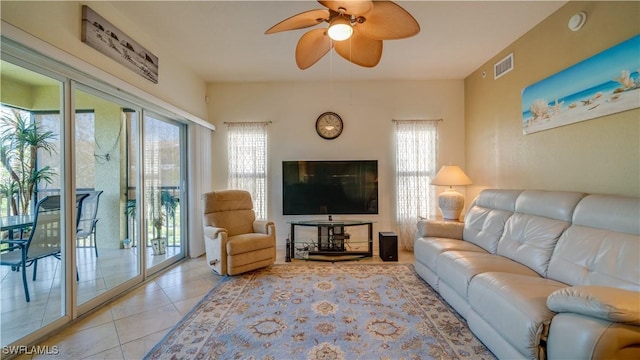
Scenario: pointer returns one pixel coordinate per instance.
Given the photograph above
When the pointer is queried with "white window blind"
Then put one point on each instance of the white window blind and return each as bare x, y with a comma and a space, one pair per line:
416, 146
248, 162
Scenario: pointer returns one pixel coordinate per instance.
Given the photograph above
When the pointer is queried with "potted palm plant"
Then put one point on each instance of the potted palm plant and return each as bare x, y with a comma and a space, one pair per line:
20, 142
160, 210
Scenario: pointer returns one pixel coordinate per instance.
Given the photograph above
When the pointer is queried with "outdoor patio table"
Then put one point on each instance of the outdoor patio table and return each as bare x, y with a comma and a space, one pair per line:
15, 222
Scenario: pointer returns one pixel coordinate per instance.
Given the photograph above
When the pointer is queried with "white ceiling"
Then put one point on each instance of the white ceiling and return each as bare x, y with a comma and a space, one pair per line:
224, 41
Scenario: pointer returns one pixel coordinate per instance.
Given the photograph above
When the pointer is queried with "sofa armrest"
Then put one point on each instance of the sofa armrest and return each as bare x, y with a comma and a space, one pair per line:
576, 336
263, 227
440, 228
215, 245
606, 303
212, 232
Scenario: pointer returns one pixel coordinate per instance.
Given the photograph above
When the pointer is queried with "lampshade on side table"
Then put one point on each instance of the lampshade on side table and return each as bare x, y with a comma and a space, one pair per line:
450, 201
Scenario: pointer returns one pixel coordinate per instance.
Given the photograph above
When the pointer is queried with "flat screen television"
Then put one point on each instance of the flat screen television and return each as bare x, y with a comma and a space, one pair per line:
330, 187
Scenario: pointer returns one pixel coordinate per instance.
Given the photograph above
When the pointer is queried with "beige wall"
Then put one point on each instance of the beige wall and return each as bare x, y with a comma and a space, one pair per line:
367, 109
59, 24
16, 93
599, 156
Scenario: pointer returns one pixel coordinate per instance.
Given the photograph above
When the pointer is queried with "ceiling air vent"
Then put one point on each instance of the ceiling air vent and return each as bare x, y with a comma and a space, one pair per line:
503, 66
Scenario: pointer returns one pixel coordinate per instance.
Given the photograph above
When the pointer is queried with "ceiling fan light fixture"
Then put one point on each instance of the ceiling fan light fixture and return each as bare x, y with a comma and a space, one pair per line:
340, 29
385, 20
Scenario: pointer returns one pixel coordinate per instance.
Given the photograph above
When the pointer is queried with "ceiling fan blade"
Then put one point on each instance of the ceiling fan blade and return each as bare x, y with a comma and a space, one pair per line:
312, 46
388, 21
300, 21
360, 49
352, 7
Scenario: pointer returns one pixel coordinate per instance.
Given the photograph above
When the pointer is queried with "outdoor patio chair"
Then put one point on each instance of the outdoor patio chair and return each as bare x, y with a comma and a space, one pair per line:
235, 241
43, 241
88, 218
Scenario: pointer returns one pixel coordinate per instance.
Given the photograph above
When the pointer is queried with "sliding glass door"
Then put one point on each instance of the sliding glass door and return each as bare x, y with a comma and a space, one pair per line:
32, 181
165, 204
104, 256
110, 179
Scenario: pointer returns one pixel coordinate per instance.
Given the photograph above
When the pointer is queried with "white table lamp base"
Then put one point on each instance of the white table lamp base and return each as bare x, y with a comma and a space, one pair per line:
451, 203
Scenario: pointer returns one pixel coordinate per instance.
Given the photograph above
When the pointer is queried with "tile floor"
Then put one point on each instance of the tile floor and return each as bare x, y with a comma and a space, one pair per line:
95, 276
131, 325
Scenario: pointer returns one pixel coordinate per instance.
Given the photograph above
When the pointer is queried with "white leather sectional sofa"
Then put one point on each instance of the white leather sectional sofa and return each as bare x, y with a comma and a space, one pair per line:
541, 273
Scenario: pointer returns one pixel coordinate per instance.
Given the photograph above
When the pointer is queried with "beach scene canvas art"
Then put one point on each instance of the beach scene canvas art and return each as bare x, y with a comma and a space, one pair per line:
606, 83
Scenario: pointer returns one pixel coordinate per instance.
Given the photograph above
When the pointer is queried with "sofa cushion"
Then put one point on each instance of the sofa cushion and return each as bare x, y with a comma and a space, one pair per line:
602, 247
250, 261
557, 205
484, 226
609, 212
498, 199
485, 219
235, 222
227, 200
532, 231
530, 240
588, 256
458, 268
250, 242
427, 250
515, 306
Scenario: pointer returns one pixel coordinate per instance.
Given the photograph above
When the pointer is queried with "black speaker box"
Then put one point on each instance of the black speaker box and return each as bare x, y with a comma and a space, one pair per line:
388, 246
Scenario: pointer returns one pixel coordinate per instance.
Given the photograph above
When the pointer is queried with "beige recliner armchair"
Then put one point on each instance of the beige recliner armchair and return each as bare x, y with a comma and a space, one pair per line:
234, 240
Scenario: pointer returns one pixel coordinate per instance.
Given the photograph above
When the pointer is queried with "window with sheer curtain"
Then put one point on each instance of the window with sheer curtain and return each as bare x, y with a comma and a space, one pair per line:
416, 146
248, 162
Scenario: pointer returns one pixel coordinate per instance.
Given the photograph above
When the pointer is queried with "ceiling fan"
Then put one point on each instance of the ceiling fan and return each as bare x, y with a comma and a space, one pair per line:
356, 30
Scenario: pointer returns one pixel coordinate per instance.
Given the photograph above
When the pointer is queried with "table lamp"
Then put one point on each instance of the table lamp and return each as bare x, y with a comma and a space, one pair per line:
450, 201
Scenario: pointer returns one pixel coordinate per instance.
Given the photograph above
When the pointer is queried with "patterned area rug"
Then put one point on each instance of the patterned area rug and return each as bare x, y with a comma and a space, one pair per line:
322, 311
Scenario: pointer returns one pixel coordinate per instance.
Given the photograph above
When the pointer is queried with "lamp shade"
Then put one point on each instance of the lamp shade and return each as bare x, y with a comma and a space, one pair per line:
451, 175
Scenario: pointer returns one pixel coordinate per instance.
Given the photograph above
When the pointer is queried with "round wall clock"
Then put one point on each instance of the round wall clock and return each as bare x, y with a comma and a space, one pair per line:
329, 125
